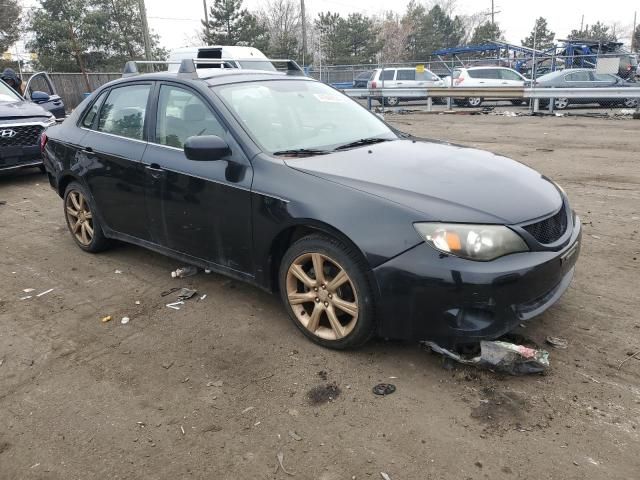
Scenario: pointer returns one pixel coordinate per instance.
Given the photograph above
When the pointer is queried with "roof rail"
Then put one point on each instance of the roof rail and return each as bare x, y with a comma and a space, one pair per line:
188, 65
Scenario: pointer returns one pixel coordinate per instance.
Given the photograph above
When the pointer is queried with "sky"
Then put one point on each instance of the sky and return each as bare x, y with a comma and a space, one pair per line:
516, 17
177, 22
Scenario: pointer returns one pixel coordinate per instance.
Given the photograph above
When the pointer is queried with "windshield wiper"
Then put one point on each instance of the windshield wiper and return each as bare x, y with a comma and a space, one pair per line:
302, 152
362, 141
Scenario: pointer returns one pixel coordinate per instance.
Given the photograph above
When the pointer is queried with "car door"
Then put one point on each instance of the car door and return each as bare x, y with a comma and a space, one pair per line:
198, 208
41, 85
388, 78
406, 78
111, 155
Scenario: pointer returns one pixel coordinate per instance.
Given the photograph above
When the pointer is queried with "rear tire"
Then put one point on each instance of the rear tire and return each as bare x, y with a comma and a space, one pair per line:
336, 308
391, 101
82, 220
561, 103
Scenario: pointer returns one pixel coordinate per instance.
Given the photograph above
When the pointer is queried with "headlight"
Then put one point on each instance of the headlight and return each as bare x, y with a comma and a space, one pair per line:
474, 242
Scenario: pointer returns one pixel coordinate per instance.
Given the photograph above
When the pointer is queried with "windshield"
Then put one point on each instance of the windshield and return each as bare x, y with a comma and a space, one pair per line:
257, 65
7, 94
300, 114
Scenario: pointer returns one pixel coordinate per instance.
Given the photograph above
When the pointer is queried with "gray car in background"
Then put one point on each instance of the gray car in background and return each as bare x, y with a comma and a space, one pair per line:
584, 78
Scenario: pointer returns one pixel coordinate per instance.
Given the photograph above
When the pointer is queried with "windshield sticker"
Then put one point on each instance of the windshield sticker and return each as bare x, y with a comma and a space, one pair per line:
329, 97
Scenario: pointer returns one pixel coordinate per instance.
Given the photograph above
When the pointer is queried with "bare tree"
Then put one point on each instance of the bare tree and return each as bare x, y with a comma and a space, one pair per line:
283, 21
393, 38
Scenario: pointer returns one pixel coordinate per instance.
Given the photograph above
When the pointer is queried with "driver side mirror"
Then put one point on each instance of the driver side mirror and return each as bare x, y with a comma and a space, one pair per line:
39, 97
206, 148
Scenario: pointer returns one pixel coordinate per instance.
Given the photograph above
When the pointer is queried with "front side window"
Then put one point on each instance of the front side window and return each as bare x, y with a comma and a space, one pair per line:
300, 114
123, 112
578, 77
510, 75
406, 75
182, 114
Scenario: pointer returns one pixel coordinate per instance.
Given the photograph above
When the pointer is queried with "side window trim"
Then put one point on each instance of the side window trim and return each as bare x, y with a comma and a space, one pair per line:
100, 98
147, 110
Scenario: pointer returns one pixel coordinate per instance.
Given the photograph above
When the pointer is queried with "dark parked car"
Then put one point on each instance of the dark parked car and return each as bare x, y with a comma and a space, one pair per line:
21, 124
362, 79
288, 184
584, 78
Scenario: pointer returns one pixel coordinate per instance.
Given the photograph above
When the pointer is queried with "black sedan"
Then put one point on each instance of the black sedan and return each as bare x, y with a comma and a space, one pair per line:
287, 184
21, 124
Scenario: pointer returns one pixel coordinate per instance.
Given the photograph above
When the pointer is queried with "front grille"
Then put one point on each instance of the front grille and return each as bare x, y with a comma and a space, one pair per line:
550, 229
20, 136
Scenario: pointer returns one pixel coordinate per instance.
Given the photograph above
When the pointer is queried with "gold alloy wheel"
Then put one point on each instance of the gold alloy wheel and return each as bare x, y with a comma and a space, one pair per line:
79, 217
322, 296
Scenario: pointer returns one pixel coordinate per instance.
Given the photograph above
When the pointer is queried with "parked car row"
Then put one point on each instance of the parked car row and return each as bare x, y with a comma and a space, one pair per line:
490, 76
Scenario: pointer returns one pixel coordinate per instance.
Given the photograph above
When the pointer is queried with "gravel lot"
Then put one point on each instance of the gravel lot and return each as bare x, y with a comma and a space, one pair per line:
217, 389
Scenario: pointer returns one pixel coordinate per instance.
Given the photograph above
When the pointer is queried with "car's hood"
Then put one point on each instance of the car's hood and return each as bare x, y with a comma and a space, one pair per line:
22, 109
444, 182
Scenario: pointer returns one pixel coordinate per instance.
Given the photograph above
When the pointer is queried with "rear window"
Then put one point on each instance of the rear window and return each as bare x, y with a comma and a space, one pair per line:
388, 74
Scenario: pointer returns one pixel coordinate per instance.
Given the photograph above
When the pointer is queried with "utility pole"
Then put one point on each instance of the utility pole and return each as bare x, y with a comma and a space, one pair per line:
582, 23
304, 31
206, 20
493, 13
634, 47
145, 30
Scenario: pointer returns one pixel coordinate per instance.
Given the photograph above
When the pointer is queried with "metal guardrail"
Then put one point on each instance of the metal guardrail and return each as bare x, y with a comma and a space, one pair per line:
509, 93
506, 93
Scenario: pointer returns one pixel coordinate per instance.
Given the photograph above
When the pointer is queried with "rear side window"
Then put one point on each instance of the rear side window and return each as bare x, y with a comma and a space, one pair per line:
604, 77
406, 75
388, 74
124, 110
91, 114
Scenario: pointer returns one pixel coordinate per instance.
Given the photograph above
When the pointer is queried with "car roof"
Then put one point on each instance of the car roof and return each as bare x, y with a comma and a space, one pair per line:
220, 77
487, 67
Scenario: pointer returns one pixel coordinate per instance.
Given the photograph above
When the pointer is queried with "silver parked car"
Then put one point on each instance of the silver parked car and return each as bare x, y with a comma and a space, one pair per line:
402, 77
584, 78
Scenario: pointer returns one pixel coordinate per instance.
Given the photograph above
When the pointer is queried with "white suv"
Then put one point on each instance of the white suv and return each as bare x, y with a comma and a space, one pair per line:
484, 77
405, 77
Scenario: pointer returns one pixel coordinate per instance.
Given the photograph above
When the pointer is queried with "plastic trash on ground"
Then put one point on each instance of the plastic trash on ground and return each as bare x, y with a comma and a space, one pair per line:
501, 356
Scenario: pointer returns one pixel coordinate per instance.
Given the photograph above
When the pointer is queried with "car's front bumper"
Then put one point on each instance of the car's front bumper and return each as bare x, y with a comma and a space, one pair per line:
12, 157
425, 295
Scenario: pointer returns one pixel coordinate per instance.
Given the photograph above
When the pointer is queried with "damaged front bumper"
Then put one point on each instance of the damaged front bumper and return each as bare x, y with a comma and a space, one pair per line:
425, 295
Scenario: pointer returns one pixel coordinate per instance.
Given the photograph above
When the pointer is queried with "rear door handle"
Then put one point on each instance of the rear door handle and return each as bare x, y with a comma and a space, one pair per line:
87, 150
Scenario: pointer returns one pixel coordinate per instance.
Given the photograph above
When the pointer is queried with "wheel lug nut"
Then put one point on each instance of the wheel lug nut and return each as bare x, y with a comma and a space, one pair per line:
326, 304
315, 289
317, 300
330, 296
324, 286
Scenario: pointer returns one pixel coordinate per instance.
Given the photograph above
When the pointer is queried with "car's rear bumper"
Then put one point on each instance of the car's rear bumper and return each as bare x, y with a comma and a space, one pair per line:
12, 158
427, 295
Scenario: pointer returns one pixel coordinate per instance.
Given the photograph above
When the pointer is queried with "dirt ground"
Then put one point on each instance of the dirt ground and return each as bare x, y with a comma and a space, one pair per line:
218, 388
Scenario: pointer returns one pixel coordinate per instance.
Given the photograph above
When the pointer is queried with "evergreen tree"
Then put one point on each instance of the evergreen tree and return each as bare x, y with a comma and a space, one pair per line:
598, 32
359, 39
331, 30
486, 33
9, 24
540, 35
230, 24
635, 40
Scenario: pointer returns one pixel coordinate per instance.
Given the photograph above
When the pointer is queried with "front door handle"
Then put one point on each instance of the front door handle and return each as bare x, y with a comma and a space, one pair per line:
155, 170
87, 150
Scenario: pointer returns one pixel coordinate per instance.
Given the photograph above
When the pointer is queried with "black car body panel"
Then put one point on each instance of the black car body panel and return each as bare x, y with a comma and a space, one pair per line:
237, 215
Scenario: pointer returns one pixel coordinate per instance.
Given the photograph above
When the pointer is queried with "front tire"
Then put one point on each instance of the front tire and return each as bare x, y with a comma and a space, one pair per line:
335, 307
82, 221
561, 103
474, 101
